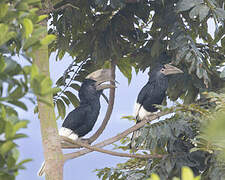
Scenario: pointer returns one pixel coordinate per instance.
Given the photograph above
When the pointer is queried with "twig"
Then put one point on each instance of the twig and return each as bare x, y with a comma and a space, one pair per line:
115, 138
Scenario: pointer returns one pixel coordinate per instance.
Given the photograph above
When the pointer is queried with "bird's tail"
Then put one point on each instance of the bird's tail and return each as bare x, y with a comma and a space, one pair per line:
41, 170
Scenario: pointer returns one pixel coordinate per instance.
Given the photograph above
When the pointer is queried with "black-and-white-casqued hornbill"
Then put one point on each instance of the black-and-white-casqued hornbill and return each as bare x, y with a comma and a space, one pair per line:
82, 119
152, 93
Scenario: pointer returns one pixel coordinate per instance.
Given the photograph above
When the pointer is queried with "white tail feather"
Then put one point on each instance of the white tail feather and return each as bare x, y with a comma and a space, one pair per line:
41, 170
65, 132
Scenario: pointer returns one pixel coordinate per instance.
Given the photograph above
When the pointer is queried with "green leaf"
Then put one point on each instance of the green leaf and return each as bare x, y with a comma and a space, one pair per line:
2, 64
75, 86
61, 108
4, 34
199, 10
18, 104
65, 100
187, 174
10, 161
73, 99
22, 6
55, 90
7, 146
9, 133
31, 1
220, 12
184, 5
42, 17
19, 135
15, 153
48, 39
17, 93
23, 161
37, 33
125, 68
20, 124
28, 27
154, 177
3, 9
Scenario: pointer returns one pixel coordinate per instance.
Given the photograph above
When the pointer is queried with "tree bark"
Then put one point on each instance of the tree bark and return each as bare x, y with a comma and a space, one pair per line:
50, 138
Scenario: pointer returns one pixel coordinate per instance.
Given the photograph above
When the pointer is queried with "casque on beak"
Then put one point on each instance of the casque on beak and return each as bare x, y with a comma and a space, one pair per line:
169, 69
101, 76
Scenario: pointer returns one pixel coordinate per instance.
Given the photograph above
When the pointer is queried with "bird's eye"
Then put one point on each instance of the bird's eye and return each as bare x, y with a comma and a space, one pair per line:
162, 69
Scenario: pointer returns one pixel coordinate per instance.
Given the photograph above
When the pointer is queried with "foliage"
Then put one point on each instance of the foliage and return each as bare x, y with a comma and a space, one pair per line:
137, 35
186, 174
20, 36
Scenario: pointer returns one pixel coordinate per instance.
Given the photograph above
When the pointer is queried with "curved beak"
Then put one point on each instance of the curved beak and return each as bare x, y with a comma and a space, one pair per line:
169, 69
101, 76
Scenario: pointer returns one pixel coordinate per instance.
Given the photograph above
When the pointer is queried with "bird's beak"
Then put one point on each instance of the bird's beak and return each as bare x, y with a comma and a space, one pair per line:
101, 76
169, 69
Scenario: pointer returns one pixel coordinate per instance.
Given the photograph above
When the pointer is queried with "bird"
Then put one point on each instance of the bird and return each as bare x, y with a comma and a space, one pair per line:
152, 93
82, 119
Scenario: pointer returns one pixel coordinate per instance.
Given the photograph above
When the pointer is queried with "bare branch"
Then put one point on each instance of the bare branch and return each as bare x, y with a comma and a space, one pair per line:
115, 138
141, 156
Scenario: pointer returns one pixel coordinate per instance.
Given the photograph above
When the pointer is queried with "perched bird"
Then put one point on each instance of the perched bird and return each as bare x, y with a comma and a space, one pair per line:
152, 93
82, 119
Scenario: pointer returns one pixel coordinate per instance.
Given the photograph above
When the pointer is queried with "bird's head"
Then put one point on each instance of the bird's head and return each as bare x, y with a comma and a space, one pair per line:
93, 86
164, 70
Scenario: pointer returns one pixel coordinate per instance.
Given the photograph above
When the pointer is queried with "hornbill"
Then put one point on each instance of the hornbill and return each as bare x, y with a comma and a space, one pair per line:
81, 120
152, 93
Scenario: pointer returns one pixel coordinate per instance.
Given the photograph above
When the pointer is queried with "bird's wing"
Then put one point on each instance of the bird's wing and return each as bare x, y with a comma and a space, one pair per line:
141, 98
75, 118
148, 96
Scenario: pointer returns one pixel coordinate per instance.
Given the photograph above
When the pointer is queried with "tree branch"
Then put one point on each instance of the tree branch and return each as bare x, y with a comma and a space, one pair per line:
141, 156
115, 138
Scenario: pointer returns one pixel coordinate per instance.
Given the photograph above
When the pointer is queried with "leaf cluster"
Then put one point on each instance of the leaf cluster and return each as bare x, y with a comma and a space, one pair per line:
138, 35
20, 36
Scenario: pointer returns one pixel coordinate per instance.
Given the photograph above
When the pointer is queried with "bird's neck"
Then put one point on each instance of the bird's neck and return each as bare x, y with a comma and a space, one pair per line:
161, 83
95, 103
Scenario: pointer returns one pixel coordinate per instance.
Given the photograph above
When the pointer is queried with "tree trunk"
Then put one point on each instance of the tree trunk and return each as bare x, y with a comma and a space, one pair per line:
50, 138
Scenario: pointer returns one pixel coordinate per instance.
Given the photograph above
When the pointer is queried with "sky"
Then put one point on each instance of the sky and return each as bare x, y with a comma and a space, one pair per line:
82, 167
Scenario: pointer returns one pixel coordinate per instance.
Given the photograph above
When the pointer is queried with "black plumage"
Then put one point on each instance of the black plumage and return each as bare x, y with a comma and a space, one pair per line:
152, 93
82, 119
